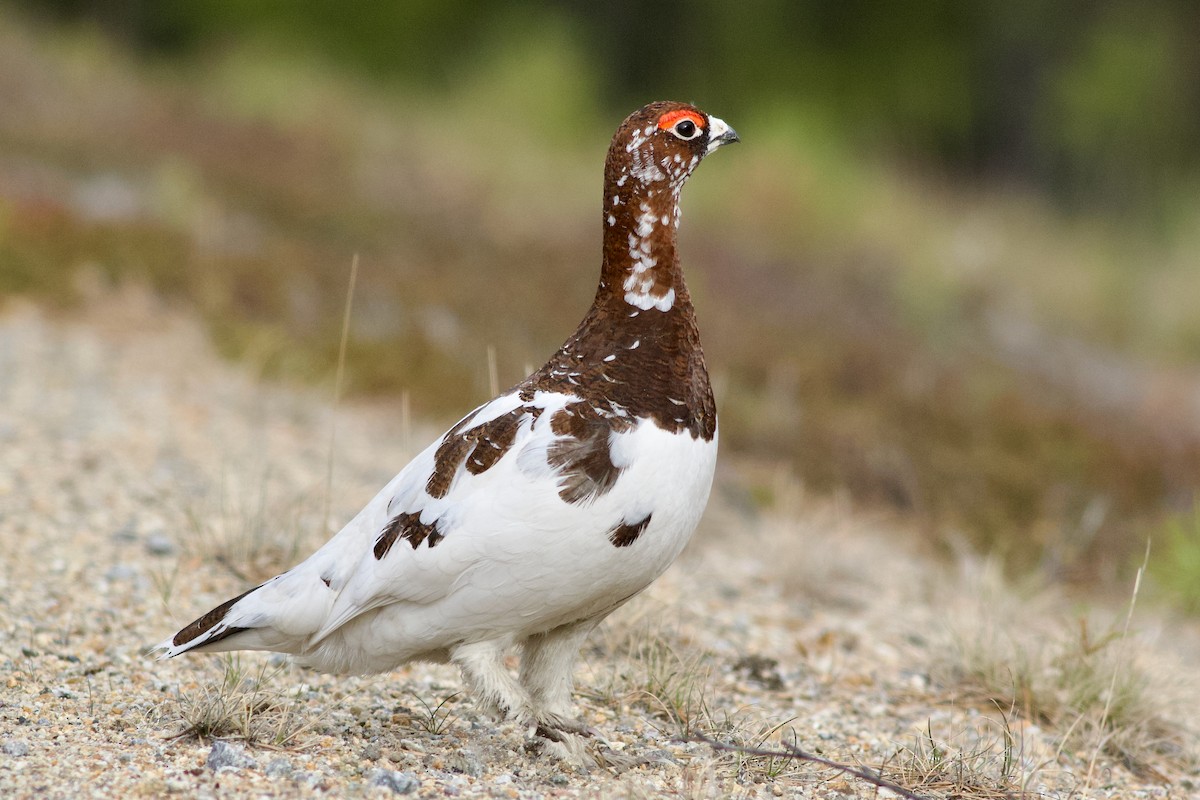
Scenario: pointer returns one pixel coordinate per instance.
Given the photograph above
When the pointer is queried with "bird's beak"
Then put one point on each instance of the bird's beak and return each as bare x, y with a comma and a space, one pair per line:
719, 134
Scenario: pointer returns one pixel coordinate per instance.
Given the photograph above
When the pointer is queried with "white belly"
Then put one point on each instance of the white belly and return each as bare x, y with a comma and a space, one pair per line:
534, 563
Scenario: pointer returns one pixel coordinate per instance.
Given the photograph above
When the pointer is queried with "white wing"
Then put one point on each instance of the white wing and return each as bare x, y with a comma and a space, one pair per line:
422, 572
492, 549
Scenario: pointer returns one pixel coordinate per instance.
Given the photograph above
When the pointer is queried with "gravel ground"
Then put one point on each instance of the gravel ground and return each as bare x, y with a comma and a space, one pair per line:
142, 480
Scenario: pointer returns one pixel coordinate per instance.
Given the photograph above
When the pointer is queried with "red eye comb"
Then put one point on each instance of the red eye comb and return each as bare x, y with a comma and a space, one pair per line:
670, 118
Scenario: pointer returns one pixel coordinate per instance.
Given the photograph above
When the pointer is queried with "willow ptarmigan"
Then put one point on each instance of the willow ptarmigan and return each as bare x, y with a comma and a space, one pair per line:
542, 511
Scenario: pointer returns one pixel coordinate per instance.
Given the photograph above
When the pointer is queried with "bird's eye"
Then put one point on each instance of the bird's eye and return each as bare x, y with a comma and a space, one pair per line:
686, 129
682, 123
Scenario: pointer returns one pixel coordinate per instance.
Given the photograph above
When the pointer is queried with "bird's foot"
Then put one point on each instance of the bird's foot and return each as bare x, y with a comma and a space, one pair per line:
561, 737
556, 727
569, 748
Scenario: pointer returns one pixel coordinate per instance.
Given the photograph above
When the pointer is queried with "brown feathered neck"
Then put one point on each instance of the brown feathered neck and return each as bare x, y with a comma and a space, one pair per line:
642, 182
638, 348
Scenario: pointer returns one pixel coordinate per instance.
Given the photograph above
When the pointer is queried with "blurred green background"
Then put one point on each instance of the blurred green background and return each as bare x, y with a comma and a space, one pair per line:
952, 272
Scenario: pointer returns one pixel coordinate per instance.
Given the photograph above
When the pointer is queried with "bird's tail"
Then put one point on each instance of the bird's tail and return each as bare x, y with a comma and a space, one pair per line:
254, 620
205, 632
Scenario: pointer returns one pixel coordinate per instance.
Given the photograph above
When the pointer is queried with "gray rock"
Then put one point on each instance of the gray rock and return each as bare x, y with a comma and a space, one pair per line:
314, 780
228, 756
15, 748
120, 572
398, 755
126, 533
279, 768
398, 782
465, 762
159, 544
660, 757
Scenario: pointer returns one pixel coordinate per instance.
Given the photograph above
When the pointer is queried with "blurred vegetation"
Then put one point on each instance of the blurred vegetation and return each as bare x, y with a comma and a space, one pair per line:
1092, 101
956, 261
1176, 568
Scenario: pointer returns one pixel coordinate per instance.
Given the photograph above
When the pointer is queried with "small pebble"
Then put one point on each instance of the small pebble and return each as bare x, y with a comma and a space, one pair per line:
279, 768
465, 762
15, 748
120, 572
314, 779
660, 757
398, 782
228, 756
159, 544
127, 533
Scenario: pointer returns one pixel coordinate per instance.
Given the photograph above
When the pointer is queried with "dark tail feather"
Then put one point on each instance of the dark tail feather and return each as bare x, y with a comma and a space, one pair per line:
182, 641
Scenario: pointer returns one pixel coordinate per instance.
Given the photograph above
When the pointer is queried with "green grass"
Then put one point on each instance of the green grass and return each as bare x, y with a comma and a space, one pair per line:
435, 719
1175, 560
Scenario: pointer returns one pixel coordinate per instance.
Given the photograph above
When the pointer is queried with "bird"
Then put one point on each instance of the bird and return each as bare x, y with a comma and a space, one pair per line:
541, 511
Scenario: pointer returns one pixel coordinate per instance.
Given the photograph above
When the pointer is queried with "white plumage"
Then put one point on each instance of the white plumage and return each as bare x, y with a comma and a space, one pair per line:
535, 516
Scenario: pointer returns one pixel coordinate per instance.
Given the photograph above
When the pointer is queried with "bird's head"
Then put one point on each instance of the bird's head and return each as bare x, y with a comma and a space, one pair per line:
663, 142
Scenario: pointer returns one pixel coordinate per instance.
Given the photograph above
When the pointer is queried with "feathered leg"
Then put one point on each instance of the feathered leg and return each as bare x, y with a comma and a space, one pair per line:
546, 673
482, 665
547, 663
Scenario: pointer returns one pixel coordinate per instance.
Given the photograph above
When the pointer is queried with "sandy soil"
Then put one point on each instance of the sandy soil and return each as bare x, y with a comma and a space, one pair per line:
142, 481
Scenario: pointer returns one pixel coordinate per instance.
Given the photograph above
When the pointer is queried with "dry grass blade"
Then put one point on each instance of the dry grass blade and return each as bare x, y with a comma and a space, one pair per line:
243, 705
983, 768
253, 525
675, 686
653, 669
1092, 692
765, 769
339, 376
1118, 664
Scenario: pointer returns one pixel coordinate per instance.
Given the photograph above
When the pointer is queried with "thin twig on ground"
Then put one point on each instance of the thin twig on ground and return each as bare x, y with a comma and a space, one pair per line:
791, 751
